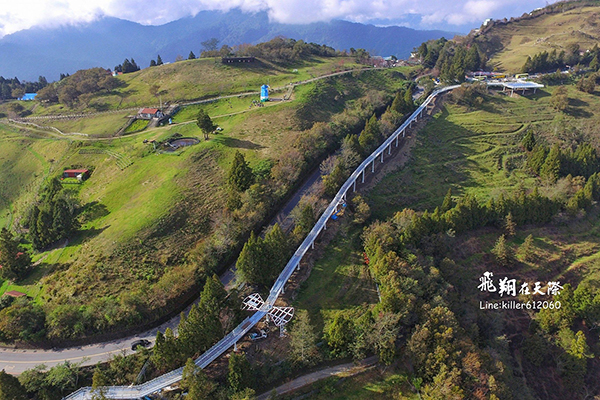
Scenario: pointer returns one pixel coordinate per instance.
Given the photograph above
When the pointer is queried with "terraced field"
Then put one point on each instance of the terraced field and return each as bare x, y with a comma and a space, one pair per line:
471, 151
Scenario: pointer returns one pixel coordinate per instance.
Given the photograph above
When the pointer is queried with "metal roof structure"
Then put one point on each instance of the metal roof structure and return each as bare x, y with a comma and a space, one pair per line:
522, 85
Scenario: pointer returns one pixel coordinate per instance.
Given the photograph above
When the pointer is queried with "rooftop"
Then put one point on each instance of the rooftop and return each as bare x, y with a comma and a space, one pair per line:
522, 85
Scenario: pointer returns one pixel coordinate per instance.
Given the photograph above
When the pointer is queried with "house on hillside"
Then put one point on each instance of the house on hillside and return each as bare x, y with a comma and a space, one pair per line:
149, 113
15, 294
79, 174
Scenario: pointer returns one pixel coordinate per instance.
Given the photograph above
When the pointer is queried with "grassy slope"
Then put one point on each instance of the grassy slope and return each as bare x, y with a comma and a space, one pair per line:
185, 81
547, 32
471, 152
127, 207
339, 280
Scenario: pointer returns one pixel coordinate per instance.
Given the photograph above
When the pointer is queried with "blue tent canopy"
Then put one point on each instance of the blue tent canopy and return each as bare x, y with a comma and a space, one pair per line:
28, 96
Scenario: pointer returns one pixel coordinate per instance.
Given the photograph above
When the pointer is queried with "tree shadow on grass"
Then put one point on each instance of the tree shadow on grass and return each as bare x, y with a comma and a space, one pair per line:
93, 210
575, 108
238, 143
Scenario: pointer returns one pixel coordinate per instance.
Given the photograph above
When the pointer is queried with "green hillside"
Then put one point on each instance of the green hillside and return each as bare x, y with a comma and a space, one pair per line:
558, 27
154, 224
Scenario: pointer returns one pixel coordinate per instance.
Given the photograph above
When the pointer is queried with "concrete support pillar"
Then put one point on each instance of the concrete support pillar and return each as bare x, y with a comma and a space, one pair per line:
382, 156
390, 149
354, 187
373, 167
363, 176
397, 140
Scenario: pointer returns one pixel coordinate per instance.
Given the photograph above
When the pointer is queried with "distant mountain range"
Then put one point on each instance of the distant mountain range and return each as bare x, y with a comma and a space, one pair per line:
108, 41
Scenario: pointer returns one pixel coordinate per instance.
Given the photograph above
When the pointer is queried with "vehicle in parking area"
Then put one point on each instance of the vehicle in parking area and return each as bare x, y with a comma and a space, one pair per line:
138, 343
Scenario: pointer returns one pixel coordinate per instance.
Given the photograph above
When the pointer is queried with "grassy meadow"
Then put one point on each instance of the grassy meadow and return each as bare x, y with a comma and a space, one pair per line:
144, 214
544, 33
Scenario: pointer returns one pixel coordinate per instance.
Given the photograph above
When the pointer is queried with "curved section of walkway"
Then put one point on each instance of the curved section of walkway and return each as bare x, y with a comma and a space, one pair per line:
155, 385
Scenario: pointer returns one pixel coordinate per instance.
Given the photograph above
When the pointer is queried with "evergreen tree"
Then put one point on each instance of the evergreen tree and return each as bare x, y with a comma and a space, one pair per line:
303, 339
11, 388
399, 105
205, 123
526, 249
528, 141
277, 249
502, 252
370, 137
152, 63
447, 204
240, 175
509, 225
339, 335
14, 261
551, 168
195, 382
408, 101
240, 373
250, 263
537, 157
191, 56
159, 60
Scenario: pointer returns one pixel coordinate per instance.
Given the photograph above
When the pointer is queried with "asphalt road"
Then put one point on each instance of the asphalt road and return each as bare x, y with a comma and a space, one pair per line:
16, 361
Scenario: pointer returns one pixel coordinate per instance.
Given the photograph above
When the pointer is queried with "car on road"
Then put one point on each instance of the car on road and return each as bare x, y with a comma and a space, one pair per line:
138, 343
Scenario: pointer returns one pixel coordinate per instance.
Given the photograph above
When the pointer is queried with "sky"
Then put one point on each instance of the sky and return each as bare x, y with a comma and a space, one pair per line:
453, 15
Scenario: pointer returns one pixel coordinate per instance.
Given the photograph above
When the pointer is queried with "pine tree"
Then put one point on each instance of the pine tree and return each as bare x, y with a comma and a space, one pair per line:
502, 252
239, 376
408, 101
159, 60
509, 225
152, 63
240, 175
191, 56
551, 167
526, 249
195, 382
399, 105
447, 204
528, 141
276, 248
303, 339
250, 263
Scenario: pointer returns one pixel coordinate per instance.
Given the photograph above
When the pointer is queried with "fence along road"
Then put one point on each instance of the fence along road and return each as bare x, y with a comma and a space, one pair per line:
155, 385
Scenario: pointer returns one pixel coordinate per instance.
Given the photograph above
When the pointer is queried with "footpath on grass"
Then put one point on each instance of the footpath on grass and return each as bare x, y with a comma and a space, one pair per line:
342, 370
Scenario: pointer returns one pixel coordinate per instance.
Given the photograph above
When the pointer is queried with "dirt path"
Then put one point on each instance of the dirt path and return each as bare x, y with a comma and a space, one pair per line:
343, 370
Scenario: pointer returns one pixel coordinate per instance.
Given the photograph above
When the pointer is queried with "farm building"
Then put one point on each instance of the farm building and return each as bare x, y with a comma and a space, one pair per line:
14, 293
81, 174
149, 113
231, 60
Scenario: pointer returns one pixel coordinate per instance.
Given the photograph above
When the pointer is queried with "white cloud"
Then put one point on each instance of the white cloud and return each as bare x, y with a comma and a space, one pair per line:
22, 14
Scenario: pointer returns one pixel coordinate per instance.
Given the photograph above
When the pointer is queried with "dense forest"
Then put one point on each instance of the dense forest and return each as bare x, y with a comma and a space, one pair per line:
450, 59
